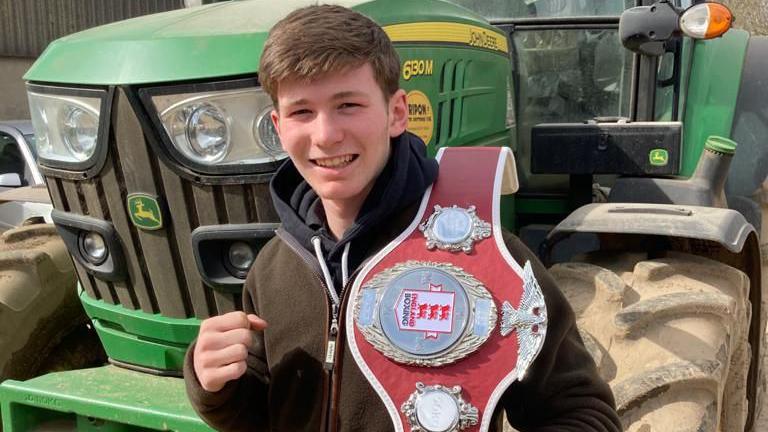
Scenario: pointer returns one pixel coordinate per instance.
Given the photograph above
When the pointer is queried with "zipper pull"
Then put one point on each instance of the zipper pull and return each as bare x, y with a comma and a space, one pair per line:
330, 349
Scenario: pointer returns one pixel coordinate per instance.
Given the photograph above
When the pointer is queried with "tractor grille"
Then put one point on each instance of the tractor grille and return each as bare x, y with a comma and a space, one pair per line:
163, 277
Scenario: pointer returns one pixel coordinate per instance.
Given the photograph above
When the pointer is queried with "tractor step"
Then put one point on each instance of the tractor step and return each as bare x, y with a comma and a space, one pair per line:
103, 399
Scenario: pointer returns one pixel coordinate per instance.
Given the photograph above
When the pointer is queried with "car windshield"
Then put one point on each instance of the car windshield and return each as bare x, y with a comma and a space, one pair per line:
12, 160
516, 9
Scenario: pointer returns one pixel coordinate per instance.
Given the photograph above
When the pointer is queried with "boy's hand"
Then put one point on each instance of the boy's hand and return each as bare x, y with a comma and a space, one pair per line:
222, 347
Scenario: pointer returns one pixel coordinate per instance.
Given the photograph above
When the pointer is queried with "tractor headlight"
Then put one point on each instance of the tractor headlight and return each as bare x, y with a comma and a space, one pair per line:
67, 125
218, 131
80, 130
200, 131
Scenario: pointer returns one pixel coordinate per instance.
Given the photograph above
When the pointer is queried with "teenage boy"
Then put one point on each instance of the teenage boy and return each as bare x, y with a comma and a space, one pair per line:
353, 183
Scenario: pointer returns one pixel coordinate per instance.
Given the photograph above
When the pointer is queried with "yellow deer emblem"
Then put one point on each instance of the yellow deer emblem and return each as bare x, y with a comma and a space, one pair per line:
140, 213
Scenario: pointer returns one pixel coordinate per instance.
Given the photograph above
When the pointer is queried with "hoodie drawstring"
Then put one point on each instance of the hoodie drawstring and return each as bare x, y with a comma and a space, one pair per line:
345, 265
326, 274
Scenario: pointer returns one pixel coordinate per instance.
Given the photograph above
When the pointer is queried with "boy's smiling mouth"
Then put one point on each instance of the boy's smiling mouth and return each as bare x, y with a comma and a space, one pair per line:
335, 161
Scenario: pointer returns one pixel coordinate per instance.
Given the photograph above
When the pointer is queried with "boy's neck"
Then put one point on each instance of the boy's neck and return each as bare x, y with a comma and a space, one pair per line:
340, 215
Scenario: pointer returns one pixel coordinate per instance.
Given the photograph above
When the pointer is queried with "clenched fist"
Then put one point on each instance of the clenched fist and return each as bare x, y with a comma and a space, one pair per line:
222, 347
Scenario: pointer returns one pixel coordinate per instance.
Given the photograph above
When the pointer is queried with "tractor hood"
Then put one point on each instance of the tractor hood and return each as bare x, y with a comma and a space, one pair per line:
218, 40
221, 39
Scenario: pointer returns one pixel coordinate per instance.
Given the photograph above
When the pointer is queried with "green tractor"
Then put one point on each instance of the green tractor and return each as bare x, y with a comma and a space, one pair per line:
155, 141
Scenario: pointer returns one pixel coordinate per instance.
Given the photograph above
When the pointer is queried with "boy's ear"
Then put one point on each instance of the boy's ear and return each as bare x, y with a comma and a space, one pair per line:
275, 121
398, 113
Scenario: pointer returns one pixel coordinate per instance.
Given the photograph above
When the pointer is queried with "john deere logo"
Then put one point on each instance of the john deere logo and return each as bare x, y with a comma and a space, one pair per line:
145, 211
659, 157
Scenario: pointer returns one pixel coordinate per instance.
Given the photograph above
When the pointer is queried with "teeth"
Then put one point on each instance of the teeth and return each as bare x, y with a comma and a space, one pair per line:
334, 162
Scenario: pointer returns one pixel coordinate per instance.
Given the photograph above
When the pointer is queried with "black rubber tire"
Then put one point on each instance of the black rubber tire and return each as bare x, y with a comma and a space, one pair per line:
43, 327
669, 335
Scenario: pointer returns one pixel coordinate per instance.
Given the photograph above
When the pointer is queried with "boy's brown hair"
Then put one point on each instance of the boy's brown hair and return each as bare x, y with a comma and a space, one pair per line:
316, 40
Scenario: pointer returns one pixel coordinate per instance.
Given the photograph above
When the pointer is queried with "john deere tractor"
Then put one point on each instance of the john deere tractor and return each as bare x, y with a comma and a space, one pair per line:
155, 140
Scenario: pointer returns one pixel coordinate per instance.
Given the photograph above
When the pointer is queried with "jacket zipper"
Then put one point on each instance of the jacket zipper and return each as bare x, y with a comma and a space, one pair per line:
333, 330
333, 350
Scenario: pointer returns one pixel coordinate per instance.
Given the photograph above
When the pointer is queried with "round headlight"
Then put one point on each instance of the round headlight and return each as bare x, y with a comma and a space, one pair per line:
241, 256
94, 247
267, 135
80, 130
208, 134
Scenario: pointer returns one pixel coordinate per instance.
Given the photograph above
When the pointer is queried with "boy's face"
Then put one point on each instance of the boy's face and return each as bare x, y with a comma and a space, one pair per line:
336, 130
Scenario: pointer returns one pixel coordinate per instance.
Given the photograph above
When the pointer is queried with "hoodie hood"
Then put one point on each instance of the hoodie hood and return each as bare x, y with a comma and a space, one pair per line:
402, 182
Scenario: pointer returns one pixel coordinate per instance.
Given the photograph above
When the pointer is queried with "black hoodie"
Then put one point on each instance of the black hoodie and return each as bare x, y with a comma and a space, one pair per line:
402, 182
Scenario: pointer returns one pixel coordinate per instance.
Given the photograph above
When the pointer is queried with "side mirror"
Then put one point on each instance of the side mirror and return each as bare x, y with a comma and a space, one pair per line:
646, 29
10, 180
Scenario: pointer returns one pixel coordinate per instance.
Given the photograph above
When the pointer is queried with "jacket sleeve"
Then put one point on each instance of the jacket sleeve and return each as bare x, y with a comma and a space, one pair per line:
561, 390
241, 405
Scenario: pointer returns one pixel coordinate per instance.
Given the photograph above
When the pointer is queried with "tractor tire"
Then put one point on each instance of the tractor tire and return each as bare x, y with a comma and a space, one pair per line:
43, 327
669, 335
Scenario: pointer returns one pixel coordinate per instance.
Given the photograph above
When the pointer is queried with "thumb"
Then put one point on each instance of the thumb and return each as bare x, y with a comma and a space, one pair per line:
256, 322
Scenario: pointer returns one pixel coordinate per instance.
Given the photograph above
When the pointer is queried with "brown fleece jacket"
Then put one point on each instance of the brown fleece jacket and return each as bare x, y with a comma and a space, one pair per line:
286, 386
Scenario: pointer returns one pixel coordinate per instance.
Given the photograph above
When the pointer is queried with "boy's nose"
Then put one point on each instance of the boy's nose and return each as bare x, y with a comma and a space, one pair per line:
327, 131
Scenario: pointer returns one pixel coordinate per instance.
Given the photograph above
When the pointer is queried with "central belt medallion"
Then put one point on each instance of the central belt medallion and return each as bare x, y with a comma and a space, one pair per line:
425, 313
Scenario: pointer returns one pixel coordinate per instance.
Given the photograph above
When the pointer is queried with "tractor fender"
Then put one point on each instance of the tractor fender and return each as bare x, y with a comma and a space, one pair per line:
726, 227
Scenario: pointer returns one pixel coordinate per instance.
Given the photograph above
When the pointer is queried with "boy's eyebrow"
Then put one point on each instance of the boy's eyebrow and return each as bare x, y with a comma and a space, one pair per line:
339, 95
347, 93
295, 102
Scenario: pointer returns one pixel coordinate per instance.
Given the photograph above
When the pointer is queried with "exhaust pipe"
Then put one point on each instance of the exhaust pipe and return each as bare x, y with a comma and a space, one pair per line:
712, 170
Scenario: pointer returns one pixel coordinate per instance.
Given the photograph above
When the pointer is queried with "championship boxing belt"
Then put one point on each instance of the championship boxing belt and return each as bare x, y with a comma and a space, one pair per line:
443, 319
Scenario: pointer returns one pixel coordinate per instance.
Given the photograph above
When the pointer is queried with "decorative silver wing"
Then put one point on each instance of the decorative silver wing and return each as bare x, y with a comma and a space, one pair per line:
529, 321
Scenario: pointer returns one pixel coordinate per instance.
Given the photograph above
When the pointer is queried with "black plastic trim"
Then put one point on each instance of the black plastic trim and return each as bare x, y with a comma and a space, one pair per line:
71, 226
174, 158
560, 22
210, 244
604, 148
93, 165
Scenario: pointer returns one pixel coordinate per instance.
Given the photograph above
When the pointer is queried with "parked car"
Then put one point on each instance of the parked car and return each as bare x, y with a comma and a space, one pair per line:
23, 195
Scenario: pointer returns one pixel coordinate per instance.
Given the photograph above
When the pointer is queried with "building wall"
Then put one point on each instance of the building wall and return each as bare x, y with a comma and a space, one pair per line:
28, 26
13, 96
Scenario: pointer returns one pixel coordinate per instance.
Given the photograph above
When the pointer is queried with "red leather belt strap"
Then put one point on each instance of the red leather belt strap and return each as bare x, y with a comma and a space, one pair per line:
468, 177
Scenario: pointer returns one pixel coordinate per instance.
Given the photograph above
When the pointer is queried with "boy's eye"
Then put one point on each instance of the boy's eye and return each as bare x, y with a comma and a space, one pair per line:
348, 105
299, 112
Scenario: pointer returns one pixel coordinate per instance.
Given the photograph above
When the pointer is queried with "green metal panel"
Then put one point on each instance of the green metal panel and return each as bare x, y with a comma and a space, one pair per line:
465, 93
139, 338
105, 399
712, 91
399, 11
542, 206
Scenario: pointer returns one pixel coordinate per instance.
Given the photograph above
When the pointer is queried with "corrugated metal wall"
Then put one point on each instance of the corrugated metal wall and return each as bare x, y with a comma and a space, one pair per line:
28, 26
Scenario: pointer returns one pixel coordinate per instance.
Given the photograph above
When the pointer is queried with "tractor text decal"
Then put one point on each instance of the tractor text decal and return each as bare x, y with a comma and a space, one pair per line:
484, 39
450, 33
412, 68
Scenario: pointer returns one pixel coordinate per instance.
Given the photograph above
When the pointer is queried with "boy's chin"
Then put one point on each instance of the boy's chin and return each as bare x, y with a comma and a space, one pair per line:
339, 193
